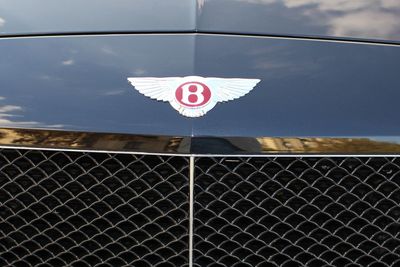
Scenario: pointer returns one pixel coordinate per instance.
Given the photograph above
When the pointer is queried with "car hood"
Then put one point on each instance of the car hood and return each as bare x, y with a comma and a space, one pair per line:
306, 88
359, 19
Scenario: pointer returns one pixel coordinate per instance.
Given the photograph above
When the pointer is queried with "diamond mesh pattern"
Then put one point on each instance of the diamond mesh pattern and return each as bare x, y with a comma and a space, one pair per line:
92, 209
297, 212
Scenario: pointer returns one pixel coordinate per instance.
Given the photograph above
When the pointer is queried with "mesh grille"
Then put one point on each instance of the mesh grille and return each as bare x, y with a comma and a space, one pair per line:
92, 209
99, 209
297, 211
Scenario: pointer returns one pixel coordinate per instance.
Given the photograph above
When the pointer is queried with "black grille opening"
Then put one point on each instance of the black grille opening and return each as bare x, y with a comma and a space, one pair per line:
101, 209
92, 209
290, 211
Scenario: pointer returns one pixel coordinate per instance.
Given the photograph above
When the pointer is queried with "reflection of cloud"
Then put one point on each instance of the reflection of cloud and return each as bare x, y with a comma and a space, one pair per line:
259, 1
331, 5
355, 18
68, 62
270, 65
391, 3
7, 113
114, 92
200, 3
45, 77
108, 51
355, 23
273, 68
8, 108
2, 22
7, 123
5, 117
139, 72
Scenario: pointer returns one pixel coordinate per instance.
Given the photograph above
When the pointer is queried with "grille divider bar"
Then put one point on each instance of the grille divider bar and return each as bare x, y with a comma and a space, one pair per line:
191, 208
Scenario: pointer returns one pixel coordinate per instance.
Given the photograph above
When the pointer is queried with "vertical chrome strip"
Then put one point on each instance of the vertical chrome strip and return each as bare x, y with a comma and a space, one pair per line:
191, 210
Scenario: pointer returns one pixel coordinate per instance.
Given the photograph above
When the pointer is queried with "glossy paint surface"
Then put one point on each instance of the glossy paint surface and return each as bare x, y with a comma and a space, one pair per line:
354, 19
307, 88
81, 83
359, 19
126, 143
49, 16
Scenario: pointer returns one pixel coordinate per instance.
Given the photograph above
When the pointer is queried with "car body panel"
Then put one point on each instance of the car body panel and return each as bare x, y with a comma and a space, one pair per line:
25, 17
307, 88
373, 20
354, 19
81, 83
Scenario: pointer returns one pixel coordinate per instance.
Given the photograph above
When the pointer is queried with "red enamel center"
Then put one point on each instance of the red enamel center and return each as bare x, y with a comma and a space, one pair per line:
193, 94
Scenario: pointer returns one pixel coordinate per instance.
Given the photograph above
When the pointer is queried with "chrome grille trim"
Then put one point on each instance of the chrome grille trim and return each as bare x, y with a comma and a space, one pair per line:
196, 155
191, 208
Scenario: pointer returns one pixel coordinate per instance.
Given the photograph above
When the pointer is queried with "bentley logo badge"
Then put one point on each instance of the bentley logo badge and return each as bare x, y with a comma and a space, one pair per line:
193, 96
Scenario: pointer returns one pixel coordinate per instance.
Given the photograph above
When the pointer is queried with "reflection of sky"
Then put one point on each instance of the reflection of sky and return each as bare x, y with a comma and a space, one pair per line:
95, 15
307, 89
82, 84
200, 4
391, 139
12, 116
68, 62
377, 19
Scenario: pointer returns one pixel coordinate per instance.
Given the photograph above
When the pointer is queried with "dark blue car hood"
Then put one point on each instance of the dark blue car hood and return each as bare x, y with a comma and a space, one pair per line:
326, 69
357, 19
307, 88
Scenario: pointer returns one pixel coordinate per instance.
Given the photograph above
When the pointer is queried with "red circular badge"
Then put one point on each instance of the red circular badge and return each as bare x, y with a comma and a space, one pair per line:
193, 94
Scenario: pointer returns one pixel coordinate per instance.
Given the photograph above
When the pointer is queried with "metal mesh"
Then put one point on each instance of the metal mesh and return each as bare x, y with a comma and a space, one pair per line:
99, 209
92, 209
297, 212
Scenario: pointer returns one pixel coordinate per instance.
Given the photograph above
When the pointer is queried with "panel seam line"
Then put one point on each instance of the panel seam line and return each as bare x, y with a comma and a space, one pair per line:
202, 32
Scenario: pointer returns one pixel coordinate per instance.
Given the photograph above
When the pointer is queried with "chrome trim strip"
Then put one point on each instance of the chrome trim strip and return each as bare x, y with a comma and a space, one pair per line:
197, 146
372, 42
94, 151
294, 155
191, 210
206, 155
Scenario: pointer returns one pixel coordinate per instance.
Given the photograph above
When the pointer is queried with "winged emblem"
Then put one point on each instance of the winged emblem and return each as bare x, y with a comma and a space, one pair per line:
193, 96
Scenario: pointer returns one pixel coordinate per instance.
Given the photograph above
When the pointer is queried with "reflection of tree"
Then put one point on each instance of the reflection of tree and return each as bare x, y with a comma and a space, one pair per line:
95, 141
168, 144
327, 145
